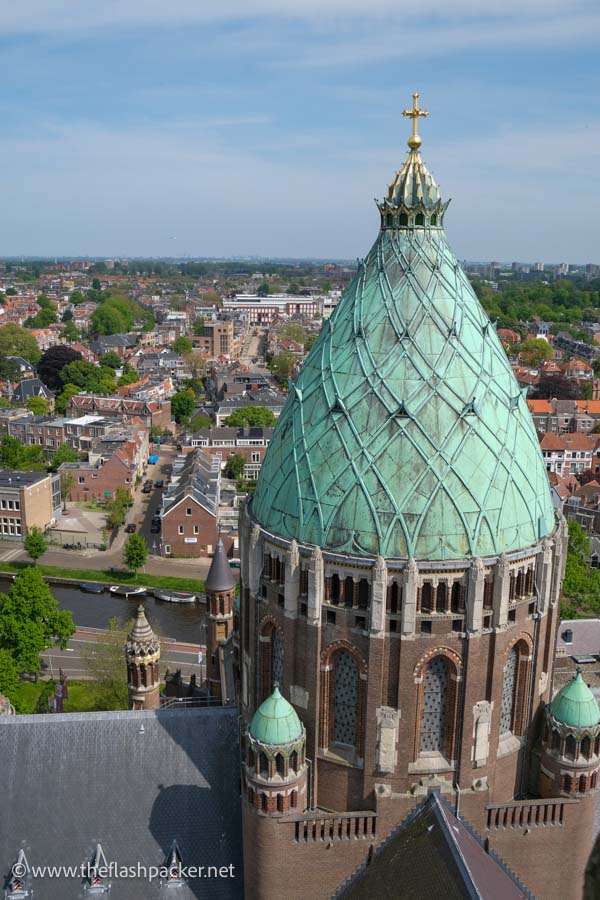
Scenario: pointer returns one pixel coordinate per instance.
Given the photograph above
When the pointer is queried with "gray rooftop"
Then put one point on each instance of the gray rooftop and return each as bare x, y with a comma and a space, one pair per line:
71, 781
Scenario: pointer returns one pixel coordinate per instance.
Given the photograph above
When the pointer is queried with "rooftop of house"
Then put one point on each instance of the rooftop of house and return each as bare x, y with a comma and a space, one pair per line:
196, 475
10, 478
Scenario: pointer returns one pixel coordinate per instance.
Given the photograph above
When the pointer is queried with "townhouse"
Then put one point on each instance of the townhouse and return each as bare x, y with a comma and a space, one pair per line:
251, 443
569, 454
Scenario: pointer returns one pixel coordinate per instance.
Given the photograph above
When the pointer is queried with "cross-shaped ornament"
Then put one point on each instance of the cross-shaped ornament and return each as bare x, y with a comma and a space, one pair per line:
414, 141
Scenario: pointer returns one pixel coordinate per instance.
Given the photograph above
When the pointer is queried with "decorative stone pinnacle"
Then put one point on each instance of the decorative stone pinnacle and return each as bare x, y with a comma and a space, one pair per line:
414, 141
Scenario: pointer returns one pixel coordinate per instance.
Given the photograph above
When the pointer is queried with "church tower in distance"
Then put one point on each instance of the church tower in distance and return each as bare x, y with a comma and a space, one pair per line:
401, 572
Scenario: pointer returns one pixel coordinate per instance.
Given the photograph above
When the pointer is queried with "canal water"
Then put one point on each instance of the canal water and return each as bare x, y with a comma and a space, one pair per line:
180, 621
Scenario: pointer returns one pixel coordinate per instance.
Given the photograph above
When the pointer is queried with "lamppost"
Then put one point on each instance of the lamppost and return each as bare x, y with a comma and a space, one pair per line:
202, 654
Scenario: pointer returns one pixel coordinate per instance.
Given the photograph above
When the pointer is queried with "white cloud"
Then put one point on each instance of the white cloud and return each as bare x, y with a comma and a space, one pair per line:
89, 190
52, 15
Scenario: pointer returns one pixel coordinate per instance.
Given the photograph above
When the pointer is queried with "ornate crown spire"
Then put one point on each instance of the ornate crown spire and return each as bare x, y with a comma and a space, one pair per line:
412, 200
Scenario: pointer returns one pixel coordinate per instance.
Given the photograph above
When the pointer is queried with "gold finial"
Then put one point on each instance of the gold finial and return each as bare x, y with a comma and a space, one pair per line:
414, 141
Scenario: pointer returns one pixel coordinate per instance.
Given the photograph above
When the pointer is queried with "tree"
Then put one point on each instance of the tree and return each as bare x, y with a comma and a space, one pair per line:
30, 621
135, 552
293, 332
105, 666
182, 345
9, 370
44, 317
11, 292
96, 284
111, 359
201, 421
251, 415
579, 542
555, 387
77, 298
15, 455
17, 341
263, 290
62, 401
535, 351
281, 365
234, 466
53, 362
38, 406
82, 373
308, 343
182, 405
199, 326
35, 543
69, 332
66, 483
9, 677
64, 454
155, 433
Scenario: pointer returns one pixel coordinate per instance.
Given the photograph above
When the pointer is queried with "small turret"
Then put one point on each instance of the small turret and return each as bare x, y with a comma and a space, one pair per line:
571, 742
275, 762
220, 598
142, 653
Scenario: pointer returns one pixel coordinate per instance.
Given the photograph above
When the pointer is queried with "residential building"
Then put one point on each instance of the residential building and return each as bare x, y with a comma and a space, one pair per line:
190, 516
115, 460
568, 454
251, 443
217, 339
151, 412
30, 388
27, 500
268, 398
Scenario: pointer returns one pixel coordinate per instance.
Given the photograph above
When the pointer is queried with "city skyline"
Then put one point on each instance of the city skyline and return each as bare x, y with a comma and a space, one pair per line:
137, 130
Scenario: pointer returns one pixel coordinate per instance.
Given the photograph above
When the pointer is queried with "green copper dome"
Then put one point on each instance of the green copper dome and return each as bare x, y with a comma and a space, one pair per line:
575, 705
406, 433
276, 721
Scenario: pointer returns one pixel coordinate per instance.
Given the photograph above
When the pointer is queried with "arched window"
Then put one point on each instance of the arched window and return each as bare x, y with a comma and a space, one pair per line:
456, 597
294, 799
571, 747
271, 649
389, 220
264, 766
555, 740
567, 784
427, 597
594, 781
345, 672
586, 747
294, 761
509, 683
250, 758
582, 784
280, 765
403, 220
394, 598
597, 746
250, 795
279, 802
433, 716
349, 591
363, 593
433, 219
419, 219
334, 589
263, 802
440, 597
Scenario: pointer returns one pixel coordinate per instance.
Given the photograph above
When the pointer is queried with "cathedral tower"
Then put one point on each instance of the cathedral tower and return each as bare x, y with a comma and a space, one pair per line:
220, 598
142, 653
402, 561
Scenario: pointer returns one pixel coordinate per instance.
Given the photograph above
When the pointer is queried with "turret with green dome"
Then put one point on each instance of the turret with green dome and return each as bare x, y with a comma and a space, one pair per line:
575, 706
276, 721
406, 433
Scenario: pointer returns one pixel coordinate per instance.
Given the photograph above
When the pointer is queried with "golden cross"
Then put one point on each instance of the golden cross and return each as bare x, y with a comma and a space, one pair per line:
414, 141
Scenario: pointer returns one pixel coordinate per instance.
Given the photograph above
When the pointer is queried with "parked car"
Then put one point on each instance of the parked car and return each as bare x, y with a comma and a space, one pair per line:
129, 529
157, 511
160, 483
155, 528
147, 488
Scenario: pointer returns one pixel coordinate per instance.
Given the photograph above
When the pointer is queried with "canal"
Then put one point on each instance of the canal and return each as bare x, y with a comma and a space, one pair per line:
180, 621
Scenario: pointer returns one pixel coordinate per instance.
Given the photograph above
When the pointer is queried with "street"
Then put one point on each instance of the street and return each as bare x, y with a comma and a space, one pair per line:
72, 660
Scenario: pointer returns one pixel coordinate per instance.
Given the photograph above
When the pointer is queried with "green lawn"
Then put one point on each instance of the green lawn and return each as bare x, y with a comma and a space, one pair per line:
194, 585
31, 697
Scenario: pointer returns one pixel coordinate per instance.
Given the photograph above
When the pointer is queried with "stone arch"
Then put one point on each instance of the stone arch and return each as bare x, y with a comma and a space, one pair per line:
343, 689
516, 672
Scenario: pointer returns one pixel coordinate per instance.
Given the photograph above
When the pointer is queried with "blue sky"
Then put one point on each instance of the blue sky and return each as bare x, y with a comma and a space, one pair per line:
145, 127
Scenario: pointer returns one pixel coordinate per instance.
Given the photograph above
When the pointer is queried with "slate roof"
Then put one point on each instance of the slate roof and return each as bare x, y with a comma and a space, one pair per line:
433, 854
71, 781
220, 577
30, 387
